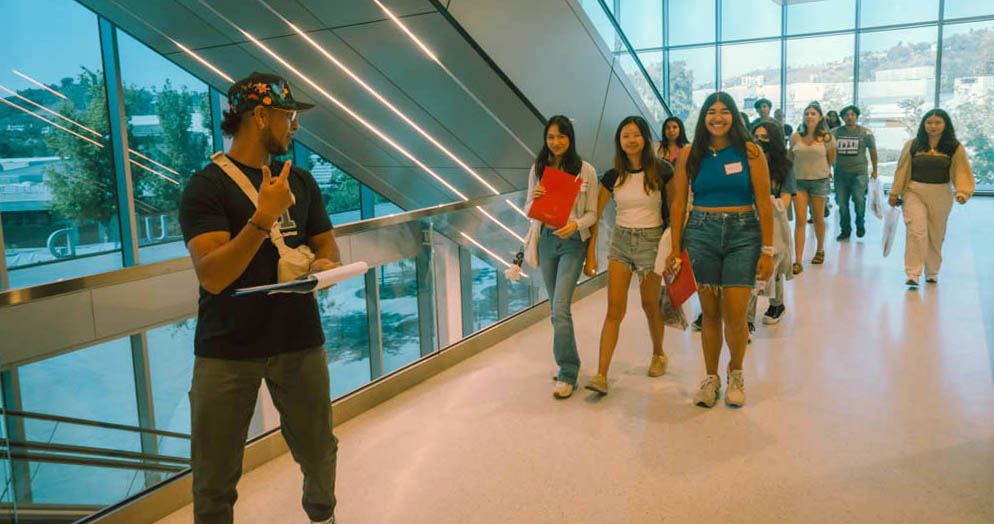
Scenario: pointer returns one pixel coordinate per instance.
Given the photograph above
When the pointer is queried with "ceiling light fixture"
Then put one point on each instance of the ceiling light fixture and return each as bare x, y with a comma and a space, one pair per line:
383, 100
39, 84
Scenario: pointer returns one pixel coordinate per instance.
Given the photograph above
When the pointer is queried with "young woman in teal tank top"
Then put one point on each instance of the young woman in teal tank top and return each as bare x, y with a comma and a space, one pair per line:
729, 235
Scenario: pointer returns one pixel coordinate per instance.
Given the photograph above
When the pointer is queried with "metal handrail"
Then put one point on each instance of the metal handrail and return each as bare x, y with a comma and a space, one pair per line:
129, 274
87, 450
94, 423
83, 461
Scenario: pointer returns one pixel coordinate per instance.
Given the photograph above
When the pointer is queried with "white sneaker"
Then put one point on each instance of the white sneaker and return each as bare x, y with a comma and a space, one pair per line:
563, 390
735, 395
709, 391
329, 521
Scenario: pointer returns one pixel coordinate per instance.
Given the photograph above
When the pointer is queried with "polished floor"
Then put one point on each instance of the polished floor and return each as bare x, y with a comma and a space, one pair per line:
868, 403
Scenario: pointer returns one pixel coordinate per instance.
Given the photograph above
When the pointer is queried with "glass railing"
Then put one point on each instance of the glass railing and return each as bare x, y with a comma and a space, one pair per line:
89, 427
626, 61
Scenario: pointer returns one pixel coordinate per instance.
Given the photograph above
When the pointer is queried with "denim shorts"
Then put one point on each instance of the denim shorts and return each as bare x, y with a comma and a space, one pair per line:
724, 248
635, 248
815, 188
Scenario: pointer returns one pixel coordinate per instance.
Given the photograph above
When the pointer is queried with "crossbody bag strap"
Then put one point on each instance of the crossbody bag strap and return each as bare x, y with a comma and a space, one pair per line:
238, 177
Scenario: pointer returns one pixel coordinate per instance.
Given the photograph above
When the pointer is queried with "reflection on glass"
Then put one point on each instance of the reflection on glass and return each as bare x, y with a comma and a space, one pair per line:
383, 206
750, 72
652, 61
96, 384
690, 22
644, 90
821, 69
399, 313
170, 362
741, 19
339, 191
824, 15
484, 293
896, 87
692, 79
57, 187
601, 21
885, 12
964, 8
169, 134
346, 334
642, 22
967, 91
519, 296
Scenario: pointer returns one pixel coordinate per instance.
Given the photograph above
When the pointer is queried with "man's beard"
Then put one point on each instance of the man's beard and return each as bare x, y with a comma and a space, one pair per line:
274, 146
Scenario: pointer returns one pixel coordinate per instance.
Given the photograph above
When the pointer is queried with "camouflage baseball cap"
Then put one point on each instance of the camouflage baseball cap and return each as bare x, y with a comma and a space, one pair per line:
263, 89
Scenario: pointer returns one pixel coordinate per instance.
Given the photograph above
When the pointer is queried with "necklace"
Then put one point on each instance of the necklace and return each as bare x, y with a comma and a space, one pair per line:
714, 152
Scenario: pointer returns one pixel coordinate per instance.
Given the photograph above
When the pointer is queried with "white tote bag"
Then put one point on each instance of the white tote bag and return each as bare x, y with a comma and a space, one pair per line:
876, 198
890, 228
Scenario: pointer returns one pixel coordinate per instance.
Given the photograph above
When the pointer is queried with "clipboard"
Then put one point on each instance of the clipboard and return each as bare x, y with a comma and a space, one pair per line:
308, 283
561, 189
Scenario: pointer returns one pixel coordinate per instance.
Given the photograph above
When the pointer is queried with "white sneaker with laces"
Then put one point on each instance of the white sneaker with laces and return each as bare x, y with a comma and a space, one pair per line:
563, 390
735, 395
709, 391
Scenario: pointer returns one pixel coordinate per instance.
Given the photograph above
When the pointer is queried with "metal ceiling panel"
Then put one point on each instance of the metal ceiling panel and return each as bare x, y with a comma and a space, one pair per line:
312, 64
349, 12
547, 37
617, 106
253, 17
397, 58
176, 20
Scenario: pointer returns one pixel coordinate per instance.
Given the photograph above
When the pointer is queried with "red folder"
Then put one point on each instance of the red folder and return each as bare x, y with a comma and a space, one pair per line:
681, 284
554, 206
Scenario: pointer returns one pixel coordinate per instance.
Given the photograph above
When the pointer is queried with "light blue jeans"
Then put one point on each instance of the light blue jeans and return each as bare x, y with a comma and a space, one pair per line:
561, 261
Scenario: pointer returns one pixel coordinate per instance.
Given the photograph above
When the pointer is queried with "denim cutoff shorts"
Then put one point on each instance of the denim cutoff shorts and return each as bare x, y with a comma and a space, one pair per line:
724, 248
635, 248
815, 188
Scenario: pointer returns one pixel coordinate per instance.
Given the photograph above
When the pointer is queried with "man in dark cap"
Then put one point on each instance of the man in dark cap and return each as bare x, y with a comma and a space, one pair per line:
239, 216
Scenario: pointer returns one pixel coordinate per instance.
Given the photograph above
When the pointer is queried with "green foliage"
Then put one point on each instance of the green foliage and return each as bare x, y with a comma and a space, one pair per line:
83, 186
975, 130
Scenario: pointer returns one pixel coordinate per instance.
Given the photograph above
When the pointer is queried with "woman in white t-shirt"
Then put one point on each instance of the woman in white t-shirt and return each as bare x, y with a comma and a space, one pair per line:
638, 184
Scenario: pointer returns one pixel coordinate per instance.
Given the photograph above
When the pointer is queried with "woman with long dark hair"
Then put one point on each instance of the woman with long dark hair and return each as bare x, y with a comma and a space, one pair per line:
638, 184
812, 149
674, 139
729, 235
929, 163
561, 252
782, 186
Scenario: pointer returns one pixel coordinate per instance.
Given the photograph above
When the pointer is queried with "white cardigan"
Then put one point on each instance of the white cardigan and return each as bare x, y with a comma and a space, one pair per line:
584, 211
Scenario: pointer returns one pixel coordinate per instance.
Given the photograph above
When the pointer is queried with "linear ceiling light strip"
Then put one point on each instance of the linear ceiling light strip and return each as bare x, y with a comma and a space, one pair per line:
337, 102
410, 34
491, 253
39, 84
67, 119
39, 117
183, 48
382, 100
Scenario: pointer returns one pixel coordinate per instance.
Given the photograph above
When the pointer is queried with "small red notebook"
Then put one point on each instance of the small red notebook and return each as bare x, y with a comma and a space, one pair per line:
554, 206
683, 285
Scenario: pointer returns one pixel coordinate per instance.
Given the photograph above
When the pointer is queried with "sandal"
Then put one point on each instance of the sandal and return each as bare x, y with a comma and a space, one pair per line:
797, 268
819, 257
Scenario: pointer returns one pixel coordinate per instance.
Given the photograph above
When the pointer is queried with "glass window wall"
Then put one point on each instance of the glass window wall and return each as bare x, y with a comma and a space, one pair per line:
692, 79
690, 22
742, 19
967, 91
750, 72
818, 68
642, 22
57, 188
885, 12
824, 15
398, 284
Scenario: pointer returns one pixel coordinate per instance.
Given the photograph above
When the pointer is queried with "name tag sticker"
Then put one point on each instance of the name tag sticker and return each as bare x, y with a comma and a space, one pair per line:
733, 168
583, 187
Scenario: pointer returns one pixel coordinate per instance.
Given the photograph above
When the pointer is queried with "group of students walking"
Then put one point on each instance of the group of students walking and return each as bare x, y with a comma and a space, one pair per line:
724, 196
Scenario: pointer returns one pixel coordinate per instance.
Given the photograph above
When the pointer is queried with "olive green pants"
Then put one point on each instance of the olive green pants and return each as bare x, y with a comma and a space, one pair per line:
222, 400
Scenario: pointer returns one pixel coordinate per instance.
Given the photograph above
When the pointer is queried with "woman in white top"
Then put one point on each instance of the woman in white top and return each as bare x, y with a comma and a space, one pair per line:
561, 252
638, 183
812, 150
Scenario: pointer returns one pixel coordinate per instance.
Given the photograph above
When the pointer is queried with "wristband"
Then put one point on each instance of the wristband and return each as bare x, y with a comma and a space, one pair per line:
257, 226
769, 250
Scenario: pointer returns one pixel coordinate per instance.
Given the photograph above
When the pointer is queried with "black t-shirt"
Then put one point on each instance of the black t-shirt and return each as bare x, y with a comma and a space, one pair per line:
610, 177
257, 325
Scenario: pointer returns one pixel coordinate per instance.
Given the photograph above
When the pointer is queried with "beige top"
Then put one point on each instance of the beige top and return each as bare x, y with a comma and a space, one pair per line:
959, 172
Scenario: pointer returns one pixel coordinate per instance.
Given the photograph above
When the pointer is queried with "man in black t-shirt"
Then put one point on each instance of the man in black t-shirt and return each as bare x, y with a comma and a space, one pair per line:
241, 341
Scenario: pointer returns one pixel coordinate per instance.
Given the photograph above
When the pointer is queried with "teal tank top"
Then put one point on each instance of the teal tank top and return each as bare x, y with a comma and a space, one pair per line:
723, 180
